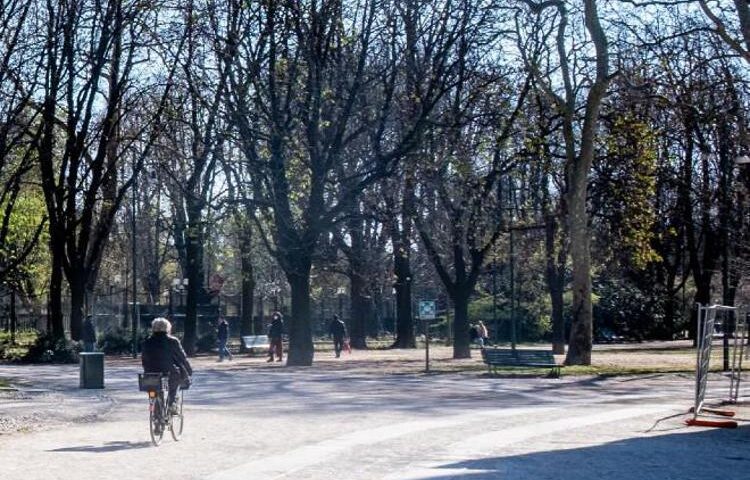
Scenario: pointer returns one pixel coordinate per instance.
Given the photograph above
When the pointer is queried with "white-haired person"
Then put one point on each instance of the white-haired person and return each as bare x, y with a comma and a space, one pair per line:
163, 353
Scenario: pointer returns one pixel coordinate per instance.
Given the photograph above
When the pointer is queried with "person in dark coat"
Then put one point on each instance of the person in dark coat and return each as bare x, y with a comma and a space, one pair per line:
337, 330
222, 334
89, 334
275, 332
163, 353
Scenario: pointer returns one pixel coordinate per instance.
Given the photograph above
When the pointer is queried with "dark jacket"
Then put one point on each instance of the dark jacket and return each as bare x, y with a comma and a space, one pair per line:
337, 328
277, 328
222, 332
163, 353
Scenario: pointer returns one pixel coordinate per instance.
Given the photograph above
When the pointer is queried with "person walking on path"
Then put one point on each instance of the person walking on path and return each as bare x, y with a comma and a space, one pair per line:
475, 335
222, 334
337, 330
89, 334
275, 332
483, 334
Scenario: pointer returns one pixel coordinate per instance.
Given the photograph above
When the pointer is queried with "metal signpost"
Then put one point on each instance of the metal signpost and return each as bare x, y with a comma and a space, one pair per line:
426, 314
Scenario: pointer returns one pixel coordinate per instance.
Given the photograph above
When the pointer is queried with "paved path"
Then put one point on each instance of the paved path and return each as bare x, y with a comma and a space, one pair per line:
249, 420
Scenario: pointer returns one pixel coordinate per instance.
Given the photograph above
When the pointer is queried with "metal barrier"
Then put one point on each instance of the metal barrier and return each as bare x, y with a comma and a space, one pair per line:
704, 339
739, 352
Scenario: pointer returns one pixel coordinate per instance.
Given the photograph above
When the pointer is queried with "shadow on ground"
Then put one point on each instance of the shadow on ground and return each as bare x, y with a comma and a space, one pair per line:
107, 447
683, 456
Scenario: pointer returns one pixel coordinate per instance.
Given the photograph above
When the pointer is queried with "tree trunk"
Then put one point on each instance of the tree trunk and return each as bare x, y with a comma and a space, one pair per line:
461, 342
301, 349
55, 322
581, 329
259, 320
248, 286
13, 318
360, 311
670, 308
77, 305
404, 322
194, 251
555, 284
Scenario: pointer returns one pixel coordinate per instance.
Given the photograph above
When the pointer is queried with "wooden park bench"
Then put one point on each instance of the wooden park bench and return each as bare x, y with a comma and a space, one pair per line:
502, 357
251, 342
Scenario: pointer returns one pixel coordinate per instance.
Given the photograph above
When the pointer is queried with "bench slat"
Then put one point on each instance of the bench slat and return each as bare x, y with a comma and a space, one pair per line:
255, 341
495, 357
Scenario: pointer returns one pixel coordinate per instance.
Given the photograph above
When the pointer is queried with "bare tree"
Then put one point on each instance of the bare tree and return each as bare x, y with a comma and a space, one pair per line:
90, 96
307, 83
580, 152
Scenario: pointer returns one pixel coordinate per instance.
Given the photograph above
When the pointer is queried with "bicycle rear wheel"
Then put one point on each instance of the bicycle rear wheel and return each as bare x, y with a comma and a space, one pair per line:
155, 422
178, 420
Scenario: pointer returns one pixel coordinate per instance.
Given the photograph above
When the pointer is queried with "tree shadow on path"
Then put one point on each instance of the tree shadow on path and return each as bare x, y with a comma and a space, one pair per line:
695, 455
107, 447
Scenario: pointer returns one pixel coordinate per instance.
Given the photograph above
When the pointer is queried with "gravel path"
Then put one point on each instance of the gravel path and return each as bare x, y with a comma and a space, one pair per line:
351, 419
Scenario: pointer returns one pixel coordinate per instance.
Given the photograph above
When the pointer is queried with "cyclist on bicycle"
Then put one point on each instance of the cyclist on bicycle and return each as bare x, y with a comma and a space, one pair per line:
163, 353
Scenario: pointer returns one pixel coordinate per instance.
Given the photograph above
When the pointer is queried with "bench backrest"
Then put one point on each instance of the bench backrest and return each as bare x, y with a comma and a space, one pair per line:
255, 341
518, 357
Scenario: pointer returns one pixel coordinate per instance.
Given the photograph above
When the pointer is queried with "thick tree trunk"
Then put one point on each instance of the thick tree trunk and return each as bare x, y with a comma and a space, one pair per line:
461, 342
581, 329
360, 310
301, 350
77, 305
55, 322
248, 286
194, 250
404, 322
555, 285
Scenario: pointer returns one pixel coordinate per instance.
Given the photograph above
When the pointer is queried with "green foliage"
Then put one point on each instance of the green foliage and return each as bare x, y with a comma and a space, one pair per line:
47, 349
16, 352
631, 188
626, 309
533, 322
119, 341
29, 211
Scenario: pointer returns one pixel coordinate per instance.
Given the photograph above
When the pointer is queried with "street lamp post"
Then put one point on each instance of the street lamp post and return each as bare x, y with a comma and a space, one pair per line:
134, 324
521, 228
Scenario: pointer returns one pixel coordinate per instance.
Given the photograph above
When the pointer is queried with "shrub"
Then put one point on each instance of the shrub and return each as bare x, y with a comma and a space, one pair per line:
118, 341
16, 352
48, 349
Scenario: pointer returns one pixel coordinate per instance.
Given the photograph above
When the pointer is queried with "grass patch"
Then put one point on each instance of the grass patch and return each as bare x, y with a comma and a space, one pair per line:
3, 383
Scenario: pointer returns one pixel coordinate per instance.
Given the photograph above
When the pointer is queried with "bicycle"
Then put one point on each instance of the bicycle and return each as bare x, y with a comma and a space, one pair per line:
160, 419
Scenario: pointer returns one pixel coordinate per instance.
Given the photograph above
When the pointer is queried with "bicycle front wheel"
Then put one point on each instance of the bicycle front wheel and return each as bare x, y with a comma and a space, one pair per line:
178, 420
155, 422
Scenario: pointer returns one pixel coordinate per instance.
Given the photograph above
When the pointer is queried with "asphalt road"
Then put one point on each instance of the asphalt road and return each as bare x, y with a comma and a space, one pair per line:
247, 420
